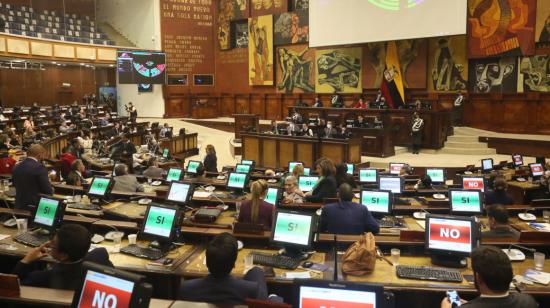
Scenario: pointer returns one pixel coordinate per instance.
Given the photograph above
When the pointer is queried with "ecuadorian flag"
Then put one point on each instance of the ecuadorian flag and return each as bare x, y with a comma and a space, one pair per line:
392, 84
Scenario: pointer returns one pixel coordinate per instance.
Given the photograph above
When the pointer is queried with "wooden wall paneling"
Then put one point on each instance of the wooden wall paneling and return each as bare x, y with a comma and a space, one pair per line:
242, 103
251, 149
332, 151
305, 152
258, 104
270, 149
542, 114
227, 105
287, 153
272, 106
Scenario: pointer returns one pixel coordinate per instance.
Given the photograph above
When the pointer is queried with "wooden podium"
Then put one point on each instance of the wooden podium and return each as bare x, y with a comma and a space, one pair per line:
247, 123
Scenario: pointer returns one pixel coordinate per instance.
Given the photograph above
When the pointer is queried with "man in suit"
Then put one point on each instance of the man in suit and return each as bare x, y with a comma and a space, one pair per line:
125, 182
292, 129
498, 223
492, 276
220, 287
347, 217
69, 247
30, 178
128, 148
329, 131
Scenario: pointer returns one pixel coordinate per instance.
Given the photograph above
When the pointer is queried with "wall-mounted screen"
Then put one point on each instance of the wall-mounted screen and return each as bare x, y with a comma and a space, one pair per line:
137, 67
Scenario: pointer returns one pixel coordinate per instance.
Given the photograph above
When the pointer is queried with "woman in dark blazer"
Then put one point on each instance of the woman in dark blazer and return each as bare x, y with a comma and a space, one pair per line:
326, 187
210, 161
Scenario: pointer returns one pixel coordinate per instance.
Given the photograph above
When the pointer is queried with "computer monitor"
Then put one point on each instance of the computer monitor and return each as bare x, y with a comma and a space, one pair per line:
517, 159
450, 238
161, 224
377, 201
487, 165
192, 166
307, 171
165, 153
307, 182
391, 183
436, 174
103, 286
293, 164
237, 181
292, 230
100, 187
273, 195
368, 176
351, 168
240, 168
248, 162
466, 201
473, 182
49, 213
179, 192
537, 170
395, 168
174, 174
315, 293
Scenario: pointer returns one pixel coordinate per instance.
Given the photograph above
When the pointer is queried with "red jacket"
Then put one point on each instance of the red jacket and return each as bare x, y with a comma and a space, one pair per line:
6, 165
67, 160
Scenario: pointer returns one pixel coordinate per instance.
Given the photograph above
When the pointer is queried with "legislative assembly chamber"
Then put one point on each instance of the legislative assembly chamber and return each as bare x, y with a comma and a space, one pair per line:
275, 153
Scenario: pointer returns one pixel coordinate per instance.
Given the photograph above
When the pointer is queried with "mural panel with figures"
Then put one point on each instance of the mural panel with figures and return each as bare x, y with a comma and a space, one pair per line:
501, 27
295, 69
229, 10
493, 75
542, 31
447, 64
374, 55
291, 28
266, 7
338, 70
534, 74
260, 50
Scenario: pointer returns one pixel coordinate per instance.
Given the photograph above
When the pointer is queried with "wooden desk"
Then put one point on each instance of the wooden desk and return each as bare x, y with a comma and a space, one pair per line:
276, 151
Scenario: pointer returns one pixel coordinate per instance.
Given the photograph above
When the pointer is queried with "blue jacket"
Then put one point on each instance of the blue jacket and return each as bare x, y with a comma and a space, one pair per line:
30, 179
348, 218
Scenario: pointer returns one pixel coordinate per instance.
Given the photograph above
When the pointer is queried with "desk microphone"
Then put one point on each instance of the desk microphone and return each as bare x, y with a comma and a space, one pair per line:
516, 254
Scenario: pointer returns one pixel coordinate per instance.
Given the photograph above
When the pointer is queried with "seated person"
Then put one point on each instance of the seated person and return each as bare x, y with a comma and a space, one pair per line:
306, 131
76, 175
292, 194
342, 176
297, 171
153, 170
4, 142
498, 195
343, 132
125, 182
67, 158
406, 170
326, 187
6, 163
69, 247
361, 122
293, 129
424, 183
492, 274
498, 223
346, 216
256, 210
330, 131
220, 287
200, 175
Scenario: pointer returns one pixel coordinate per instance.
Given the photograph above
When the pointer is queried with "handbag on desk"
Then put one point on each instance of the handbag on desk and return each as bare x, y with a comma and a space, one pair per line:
360, 258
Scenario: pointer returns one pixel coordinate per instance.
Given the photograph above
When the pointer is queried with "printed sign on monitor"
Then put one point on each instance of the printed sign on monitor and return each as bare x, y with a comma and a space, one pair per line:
292, 228
395, 168
473, 183
376, 201
45, 213
159, 221
102, 290
367, 176
537, 169
450, 234
466, 201
312, 297
173, 175
271, 196
436, 175
99, 186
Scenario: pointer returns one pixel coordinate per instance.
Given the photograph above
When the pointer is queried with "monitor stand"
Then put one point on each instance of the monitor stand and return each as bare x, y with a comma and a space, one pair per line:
42, 232
294, 253
164, 247
450, 261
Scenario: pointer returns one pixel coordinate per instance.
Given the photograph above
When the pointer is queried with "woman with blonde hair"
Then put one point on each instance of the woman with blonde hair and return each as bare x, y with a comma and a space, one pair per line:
326, 187
210, 160
256, 210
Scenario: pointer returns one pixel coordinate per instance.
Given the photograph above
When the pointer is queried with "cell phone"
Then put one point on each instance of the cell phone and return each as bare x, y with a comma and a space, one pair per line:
453, 297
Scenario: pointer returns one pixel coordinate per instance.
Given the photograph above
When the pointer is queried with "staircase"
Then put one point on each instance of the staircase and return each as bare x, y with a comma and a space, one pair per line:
465, 142
114, 35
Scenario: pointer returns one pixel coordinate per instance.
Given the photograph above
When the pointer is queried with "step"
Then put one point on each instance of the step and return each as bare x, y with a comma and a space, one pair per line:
467, 151
462, 138
466, 145
401, 150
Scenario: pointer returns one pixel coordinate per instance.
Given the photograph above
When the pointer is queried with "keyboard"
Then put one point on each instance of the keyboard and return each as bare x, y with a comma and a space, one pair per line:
387, 224
31, 239
81, 206
428, 273
277, 261
225, 196
143, 252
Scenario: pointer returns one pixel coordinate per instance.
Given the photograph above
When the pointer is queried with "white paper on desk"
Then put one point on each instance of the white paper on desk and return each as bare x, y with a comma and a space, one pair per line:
201, 194
421, 223
297, 275
4, 236
537, 276
540, 226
